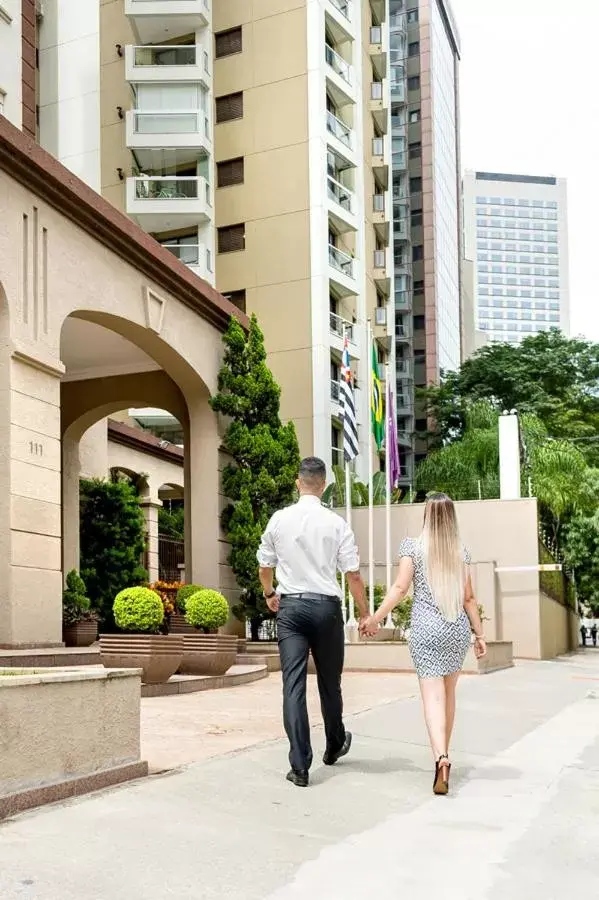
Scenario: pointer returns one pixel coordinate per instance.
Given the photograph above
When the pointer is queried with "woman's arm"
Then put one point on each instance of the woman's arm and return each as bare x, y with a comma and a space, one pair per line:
397, 592
471, 610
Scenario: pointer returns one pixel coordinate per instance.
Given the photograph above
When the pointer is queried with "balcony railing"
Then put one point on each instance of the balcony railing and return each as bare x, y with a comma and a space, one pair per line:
339, 129
338, 64
335, 390
183, 122
341, 261
174, 188
402, 367
340, 194
341, 327
398, 20
344, 7
190, 254
378, 203
183, 55
376, 34
378, 146
376, 90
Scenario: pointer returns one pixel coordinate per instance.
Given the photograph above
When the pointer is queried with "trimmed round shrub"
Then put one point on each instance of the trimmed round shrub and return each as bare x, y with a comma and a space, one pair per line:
184, 593
138, 609
206, 610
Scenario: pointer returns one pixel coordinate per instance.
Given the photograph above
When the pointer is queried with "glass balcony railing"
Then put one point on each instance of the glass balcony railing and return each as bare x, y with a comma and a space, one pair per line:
343, 6
174, 188
339, 129
185, 55
380, 259
341, 327
376, 34
190, 254
378, 203
378, 147
340, 194
376, 90
338, 64
341, 261
184, 122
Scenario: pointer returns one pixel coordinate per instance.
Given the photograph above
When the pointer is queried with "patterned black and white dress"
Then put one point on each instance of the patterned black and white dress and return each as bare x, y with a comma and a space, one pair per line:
437, 647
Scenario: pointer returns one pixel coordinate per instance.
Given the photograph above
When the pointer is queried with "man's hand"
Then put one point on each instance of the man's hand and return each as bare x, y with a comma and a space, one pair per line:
368, 626
273, 603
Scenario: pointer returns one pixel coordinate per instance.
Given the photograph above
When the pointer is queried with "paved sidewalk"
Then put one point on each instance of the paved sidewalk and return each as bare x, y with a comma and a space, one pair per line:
522, 821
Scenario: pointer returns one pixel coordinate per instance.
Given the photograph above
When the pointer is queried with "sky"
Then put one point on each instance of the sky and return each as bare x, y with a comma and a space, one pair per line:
529, 95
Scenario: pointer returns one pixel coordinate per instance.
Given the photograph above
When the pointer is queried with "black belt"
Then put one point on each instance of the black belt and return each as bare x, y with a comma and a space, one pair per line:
306, 595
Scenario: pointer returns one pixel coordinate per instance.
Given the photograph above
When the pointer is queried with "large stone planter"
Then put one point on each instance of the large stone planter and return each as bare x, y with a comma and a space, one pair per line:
208, 654
157, 655
179, 625
81, 634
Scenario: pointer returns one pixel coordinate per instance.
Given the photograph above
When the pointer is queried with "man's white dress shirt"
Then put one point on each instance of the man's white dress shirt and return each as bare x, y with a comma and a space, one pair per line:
307, 544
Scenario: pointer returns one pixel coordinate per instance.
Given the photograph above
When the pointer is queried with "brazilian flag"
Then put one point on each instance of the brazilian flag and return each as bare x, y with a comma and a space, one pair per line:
376, 403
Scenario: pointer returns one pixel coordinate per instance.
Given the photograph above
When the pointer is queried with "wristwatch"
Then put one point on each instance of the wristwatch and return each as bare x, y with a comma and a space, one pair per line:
270, 596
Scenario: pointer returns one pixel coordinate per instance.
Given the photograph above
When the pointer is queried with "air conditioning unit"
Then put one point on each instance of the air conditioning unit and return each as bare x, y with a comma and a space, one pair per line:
380, 315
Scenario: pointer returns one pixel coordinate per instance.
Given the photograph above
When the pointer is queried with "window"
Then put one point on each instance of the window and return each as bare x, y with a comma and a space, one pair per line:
416, 218
415, 185
229, 107
227, 42
414, 116
415, 150
412, 16
237, 298
414, 48
417, 253
419, 323
231, 238
230, 171
414, 83
419, 287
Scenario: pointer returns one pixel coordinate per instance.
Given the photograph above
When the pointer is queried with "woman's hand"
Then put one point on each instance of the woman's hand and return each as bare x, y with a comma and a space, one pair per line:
480, 647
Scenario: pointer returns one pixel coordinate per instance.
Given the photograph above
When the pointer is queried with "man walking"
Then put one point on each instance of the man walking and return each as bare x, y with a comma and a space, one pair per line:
307, 544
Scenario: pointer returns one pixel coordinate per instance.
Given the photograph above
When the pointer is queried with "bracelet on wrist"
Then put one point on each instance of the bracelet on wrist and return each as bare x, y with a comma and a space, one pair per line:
479, 637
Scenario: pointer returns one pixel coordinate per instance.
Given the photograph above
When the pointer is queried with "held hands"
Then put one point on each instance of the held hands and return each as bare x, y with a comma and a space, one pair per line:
368, 626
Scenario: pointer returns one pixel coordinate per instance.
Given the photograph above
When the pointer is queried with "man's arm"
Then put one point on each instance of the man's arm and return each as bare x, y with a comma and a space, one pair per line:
267, 561
348, 562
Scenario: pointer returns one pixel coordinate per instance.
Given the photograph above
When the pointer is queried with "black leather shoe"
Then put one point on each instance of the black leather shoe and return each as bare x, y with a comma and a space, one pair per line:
330, 758
299, 779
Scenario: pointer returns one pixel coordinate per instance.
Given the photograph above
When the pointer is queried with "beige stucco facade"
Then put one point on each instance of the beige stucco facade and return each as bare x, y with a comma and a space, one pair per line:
86, 330
500, 535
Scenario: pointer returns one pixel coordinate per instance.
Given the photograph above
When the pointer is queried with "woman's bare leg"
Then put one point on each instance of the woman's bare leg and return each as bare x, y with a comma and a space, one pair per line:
450, 686
435, 713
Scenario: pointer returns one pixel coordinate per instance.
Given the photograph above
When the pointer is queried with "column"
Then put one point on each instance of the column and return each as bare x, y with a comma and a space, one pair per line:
202, 443
150, 510
70, 503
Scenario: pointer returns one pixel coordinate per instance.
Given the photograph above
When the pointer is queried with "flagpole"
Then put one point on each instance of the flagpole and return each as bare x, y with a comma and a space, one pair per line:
370, 477
351, 622
388, 412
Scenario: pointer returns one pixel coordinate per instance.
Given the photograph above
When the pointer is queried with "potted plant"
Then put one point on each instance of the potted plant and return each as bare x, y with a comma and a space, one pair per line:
139, 612
80, 624
178, 623
205, 651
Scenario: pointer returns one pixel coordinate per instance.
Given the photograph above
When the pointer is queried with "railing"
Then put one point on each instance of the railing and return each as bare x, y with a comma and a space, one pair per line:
399, 159
344, 7
376, 34
339, 129
181, 122
380, 259
335, 391
341, 327
340, 194
337, 63
171, 555
174, 188
401, 228
376, 90
181, 55
190, 254
403, 299
378, 146
404, 437
378, 203
380, 315
341, 261
398, 20
403, 367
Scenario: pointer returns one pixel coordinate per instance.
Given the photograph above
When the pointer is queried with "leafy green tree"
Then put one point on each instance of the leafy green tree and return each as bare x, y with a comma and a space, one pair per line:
112, 537
171, 522
334, 494
265, 458
581, 554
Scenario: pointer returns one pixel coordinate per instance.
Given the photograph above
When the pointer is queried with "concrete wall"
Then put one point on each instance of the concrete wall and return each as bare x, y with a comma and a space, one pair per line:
10, 59
61, 726
499, 534
559, 628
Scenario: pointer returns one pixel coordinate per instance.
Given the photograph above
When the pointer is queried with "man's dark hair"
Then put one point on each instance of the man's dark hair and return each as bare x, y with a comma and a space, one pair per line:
312, 470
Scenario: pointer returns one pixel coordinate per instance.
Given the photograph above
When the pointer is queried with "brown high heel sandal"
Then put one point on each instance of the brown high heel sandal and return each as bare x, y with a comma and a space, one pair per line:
442, 770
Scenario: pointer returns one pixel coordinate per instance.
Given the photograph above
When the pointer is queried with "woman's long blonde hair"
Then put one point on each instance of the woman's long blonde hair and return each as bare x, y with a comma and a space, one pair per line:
443, 555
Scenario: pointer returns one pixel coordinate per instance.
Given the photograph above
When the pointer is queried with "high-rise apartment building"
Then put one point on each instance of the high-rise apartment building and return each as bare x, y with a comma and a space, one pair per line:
516, 234
424, 58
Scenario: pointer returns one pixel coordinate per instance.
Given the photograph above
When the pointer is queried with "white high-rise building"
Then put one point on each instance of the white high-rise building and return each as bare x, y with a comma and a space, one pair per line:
516, 234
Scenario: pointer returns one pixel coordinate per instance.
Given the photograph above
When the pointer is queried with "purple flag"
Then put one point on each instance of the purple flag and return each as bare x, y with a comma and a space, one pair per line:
391, 428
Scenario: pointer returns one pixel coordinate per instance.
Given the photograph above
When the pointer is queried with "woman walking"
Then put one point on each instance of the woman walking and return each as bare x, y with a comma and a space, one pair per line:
444, 615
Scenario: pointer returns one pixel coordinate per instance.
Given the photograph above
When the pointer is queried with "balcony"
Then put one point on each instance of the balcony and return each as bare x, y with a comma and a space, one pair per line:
398, 22
196, 257
340, 136
380, 216
155, 20
180, 130
378, 50
341, 205
381, 273
188, 62
380, 160
340, 329
379, 104
342, 272
383, 327
340, 77
403, 368
405, 438
340, 19
163, 203
403, 299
